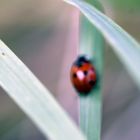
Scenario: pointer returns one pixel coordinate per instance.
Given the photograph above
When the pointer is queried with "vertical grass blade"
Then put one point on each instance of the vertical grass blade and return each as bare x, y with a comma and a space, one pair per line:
36, 101
92, 44
125, 46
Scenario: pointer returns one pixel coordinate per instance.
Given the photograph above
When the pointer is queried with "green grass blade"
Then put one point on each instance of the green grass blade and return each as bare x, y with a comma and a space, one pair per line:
92, 44
123, 44
36, 101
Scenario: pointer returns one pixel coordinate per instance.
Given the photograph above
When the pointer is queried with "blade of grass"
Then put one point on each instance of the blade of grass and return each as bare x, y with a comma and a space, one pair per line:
123, 44
92, 44
32, 97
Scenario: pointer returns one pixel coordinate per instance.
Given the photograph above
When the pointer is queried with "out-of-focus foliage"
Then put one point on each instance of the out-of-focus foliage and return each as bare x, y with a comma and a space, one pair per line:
125, 5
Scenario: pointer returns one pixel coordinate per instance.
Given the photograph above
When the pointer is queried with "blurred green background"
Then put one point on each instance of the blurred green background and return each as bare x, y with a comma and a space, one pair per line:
44, 34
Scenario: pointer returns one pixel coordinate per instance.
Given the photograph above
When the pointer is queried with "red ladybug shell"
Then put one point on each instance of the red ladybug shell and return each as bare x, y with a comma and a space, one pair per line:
83, 75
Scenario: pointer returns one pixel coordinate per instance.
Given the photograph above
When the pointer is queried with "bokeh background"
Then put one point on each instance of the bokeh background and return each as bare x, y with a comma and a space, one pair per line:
44, 34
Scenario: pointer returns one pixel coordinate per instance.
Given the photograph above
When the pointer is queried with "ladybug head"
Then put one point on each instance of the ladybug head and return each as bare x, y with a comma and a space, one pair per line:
80, 60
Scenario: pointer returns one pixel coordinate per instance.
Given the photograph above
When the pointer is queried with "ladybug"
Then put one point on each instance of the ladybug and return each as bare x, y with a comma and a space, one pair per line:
83, 75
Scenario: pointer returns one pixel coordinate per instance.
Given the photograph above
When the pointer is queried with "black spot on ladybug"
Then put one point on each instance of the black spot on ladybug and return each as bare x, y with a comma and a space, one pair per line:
91, 83
85, 73
74, 75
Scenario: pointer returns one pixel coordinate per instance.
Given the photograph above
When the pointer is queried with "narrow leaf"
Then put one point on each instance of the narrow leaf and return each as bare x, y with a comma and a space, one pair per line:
36, 101
123, 44
92, 44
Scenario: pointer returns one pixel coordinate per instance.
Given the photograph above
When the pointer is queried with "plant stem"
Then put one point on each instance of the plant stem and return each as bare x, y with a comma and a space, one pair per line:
91, 44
